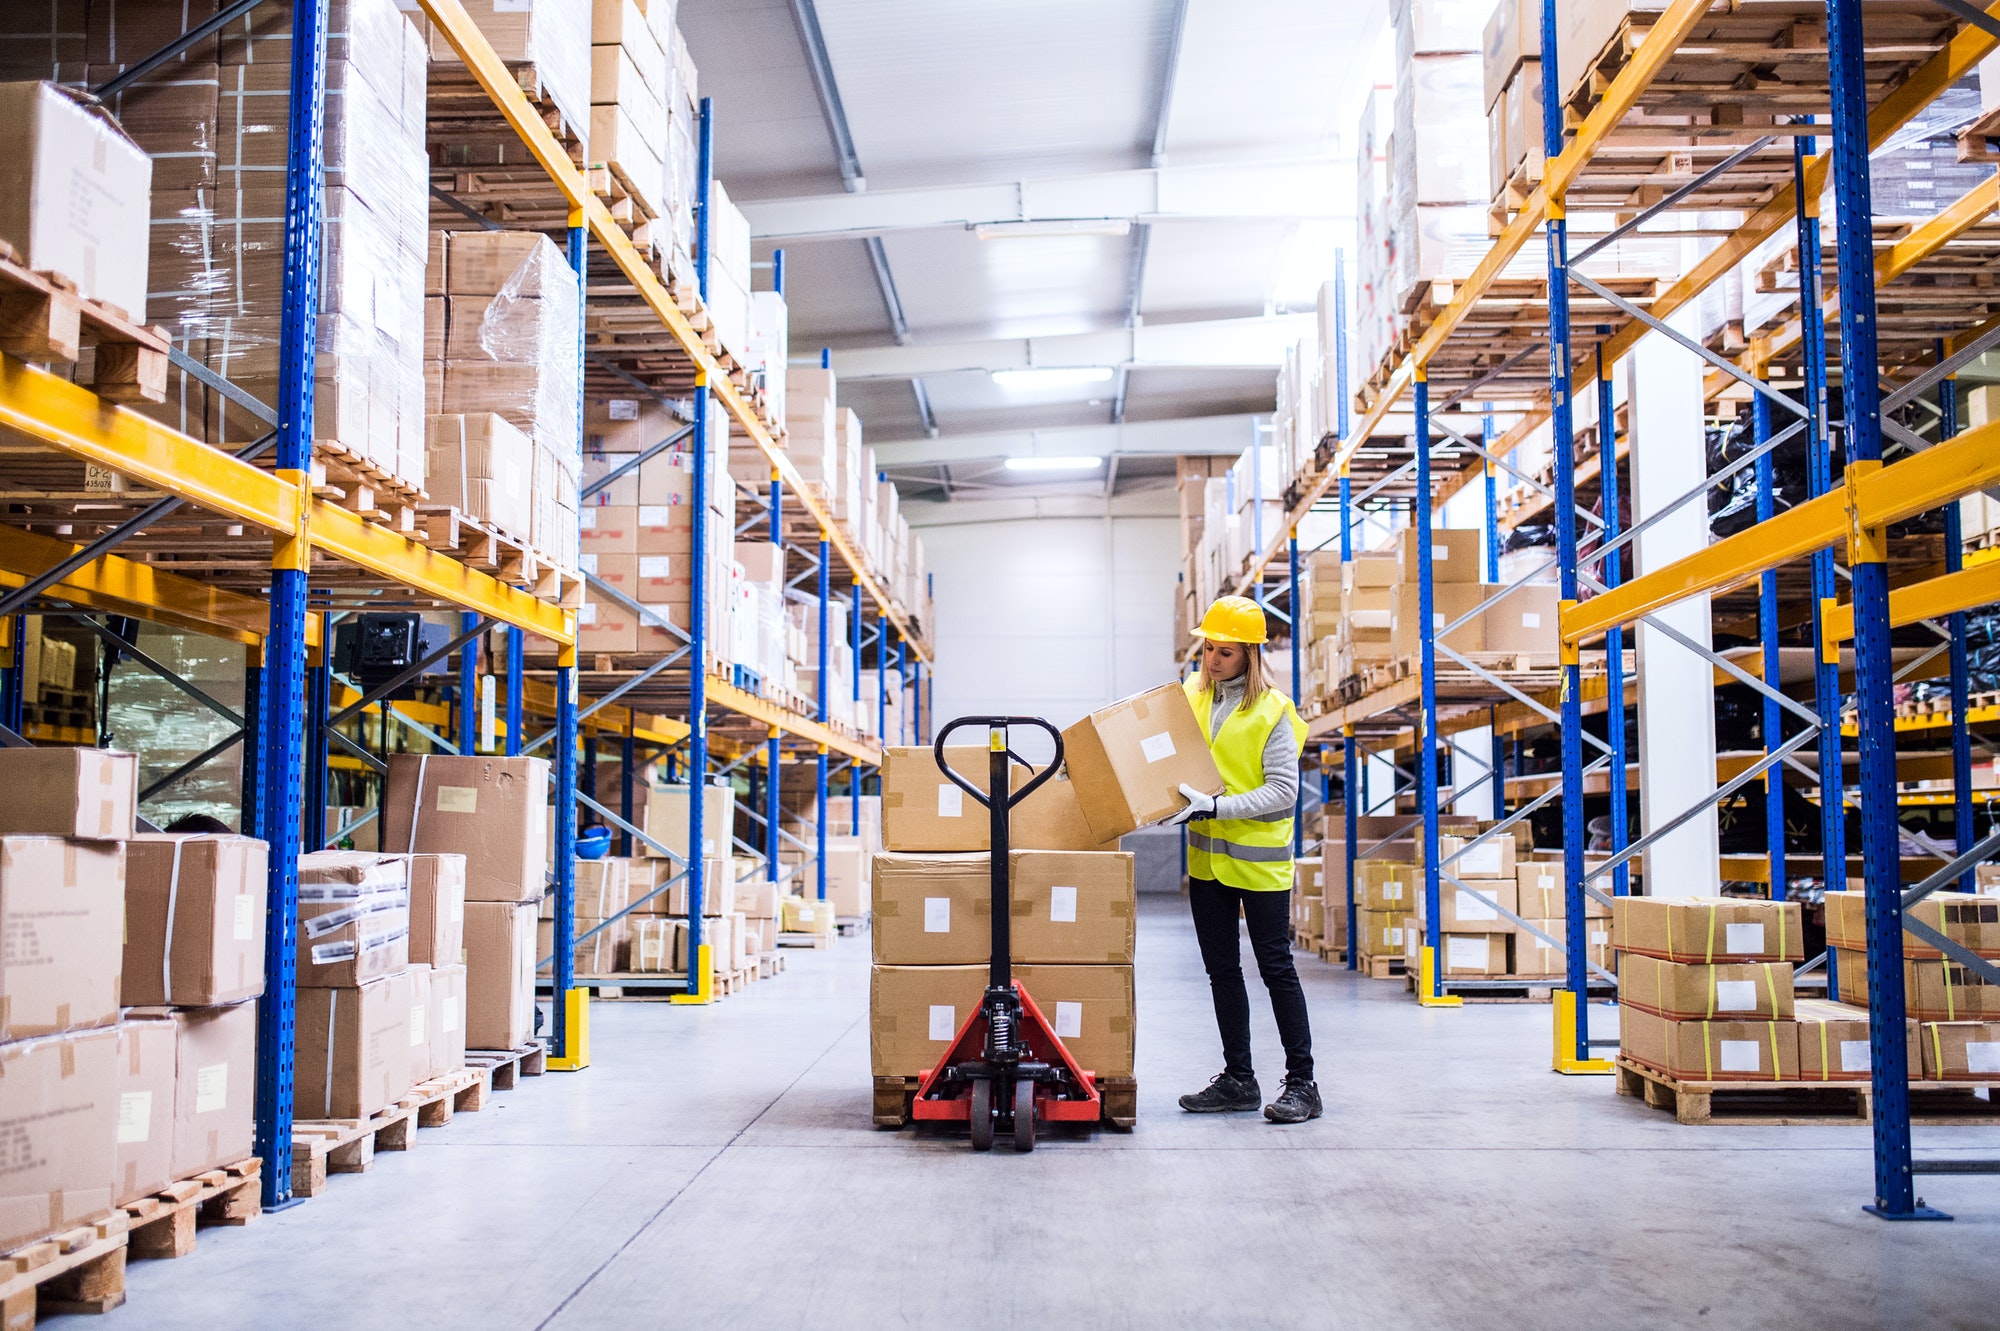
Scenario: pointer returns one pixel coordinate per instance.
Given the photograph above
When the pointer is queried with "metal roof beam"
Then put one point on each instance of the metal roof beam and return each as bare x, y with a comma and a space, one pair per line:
1252, 343
1171, 438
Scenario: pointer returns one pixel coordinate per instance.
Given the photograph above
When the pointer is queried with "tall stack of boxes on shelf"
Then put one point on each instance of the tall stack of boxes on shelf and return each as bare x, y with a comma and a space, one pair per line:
1954, 1014
1511, 84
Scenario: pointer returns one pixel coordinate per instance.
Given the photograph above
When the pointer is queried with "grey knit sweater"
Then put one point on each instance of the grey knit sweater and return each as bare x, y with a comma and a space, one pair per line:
1275, 798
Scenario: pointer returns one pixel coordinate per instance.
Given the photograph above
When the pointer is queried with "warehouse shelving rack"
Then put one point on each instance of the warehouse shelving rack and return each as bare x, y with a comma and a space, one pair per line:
216, 544
1872, 97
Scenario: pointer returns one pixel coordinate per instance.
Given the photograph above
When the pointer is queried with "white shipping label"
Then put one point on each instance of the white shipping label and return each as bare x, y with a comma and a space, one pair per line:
585, 614
951, 801
656, 566
135, 1116
1982, 1056
1739, 1055
1855, 1056
453, 1015
1069, 1021
1392, 936
937, 915
1437, 621
457, 909
1735, 995
1743, 939
211, 1088
618, 408
458, 799
1392, 891
1531, 619
1600, 938
1462, 953
1440, 554
587, 521
656, 515
1156, 747
944, 1021
1062, 905
419, 1027
1472, 906
1481, 861
243, 927
586, 563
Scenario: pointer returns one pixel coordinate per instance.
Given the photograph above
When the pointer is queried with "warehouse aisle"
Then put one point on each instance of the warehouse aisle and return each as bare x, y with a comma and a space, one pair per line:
717, 1169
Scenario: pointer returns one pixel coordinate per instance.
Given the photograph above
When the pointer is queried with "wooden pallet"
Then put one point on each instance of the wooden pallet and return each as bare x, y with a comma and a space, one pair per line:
1381, 968
44, 320
1332, 954
164, 1224
1780, 1104
1119, 1097
819, 942
1501, 988
80, 1270
847, 926
504, 1067
348, 1146
493, 550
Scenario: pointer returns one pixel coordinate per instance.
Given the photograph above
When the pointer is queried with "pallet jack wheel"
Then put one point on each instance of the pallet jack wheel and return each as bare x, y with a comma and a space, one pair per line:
982, 1115
1024, 1115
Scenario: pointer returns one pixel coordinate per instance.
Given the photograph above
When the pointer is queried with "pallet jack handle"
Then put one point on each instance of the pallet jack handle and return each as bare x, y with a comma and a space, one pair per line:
1002, 799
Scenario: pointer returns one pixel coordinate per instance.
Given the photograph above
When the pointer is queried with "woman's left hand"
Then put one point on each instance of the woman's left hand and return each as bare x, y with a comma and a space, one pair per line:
1198, 806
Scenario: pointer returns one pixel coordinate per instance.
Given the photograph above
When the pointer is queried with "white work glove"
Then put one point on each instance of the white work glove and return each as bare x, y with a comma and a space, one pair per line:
1198, 806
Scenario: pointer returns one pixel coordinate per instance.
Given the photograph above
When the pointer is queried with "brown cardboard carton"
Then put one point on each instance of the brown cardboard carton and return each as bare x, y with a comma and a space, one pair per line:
1072, 907
354, 917
437, 909
1933, 990
145, 1106
1382, 931
1533, 956
914, 1013
1960, 1050
1090, 1008
76, 194
62, 904
667, 819
194, 920
1523, 621
488, 809
1454, 556
1128, 761
1491, 858
655, 944
1473, 909
1470, 954
718, 890
801, 916
59, 1105
215, 1100
923, 812
499, 974
1307, 872
646, 884
1834, 1046
1971, 921
1682, 991
1709, 928
847, 877
420, 1022
1539, 886
1711, 1050
84, 793
1052, 819
931, 910
1385, 885
353, 1048
1449, 602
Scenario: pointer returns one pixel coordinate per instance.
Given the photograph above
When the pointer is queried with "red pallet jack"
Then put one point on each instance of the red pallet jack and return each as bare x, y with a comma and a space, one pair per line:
1006, 1067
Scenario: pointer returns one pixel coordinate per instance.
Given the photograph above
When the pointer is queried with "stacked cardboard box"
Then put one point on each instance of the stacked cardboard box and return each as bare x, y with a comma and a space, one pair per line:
1542, 900
483, 466
1511, 86
1706, 985
503, 306
1522, 622
490, 811
1953, 1010
554, 36
628, 110
603, 891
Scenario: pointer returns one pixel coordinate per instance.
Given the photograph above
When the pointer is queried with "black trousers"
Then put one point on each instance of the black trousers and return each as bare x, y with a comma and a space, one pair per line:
1215, 906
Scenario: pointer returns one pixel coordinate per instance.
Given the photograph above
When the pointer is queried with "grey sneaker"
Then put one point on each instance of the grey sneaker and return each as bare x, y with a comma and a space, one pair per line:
1298, 1102
1224, 1095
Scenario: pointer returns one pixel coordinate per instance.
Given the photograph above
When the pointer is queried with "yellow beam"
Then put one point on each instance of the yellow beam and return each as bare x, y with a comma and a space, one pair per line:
127, 587
464, 36
539, 696
1933, 598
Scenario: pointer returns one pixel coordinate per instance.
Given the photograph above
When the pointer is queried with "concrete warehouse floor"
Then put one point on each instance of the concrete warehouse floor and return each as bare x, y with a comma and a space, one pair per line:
717, 1169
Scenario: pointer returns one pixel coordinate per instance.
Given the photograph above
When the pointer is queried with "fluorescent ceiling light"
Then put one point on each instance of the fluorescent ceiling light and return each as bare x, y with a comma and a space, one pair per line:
1058, 377
1054, 464
1054, 226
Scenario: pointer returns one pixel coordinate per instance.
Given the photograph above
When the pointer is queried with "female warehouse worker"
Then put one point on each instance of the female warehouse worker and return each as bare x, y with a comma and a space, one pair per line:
1240, 857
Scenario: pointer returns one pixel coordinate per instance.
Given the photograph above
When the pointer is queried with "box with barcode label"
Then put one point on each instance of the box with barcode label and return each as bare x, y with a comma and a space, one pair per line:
1128, 761
915, 1011
1710, 1050
1472, 954
1383, 933
1091, 1009
1468, 857
1386, 885
923, 810
1072, 906
1709, 929
1960, 1050
931, 910
1834, 1045
1684, 990
1481, 906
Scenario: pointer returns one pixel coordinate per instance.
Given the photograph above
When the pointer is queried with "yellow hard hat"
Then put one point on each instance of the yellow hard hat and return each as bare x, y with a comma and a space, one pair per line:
1233, 619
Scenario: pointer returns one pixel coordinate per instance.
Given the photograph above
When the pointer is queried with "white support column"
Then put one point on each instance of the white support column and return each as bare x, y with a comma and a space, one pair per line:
1471, 759
1382, 781
1676, 687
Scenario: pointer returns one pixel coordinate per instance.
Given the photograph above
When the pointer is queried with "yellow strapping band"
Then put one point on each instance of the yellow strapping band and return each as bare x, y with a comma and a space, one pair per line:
1823, 1069
1771, 988
1777, 1072
1710, 957
1707, 1052
1950, 999
1937, 1050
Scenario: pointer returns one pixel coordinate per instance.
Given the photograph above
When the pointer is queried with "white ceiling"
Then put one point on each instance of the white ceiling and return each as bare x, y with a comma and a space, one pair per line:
941, 93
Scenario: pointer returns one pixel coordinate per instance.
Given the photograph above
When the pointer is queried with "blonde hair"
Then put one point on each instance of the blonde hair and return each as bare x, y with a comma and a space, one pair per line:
1254, 682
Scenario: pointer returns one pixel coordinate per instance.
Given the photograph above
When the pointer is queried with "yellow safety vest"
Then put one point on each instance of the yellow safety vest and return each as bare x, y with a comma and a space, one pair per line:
1251, 853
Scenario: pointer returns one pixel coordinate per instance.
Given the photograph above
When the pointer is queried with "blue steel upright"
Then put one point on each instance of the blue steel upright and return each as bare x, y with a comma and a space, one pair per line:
1351, 776
1767, 634
1963, 832
704, 451
1427, 742
254, 722
284, 649
882, 674
564, 930
1895, 1191
468, 686
1496, 757
516, 678
1819, 480
819, 773
319, 699
1563, 442
1298, 694
1614, 638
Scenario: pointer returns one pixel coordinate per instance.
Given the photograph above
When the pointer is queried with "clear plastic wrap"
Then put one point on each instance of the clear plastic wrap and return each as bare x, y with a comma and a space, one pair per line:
151, 717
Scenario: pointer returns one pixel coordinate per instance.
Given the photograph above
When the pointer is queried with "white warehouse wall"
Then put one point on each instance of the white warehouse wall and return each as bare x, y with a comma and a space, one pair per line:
1051, 616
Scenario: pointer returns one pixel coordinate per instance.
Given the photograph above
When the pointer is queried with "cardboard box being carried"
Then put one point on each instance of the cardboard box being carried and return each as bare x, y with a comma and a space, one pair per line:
1738, 991
1711, 1050
353, 1048
489, 809
59, 1109
499, 974
62, 904
1709, 929
87, 794
1051, 818
194, 920
215, 1086
1128, 761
